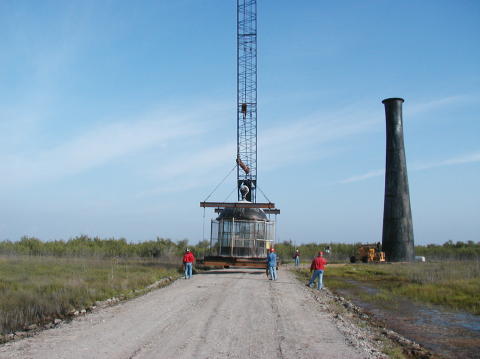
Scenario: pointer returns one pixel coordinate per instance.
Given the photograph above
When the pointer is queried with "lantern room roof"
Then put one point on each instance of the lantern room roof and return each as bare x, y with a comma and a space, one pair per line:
246, 214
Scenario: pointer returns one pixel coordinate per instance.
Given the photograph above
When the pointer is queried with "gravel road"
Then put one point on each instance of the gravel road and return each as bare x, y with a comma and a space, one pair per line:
220, 314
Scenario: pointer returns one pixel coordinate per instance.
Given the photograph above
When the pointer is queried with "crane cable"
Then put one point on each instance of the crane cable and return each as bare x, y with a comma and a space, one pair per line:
233, 190
206, 199
203, 230
264, 195
218, 185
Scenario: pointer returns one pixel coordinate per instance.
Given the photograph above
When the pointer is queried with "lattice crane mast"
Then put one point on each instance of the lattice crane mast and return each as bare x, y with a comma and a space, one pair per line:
247, 97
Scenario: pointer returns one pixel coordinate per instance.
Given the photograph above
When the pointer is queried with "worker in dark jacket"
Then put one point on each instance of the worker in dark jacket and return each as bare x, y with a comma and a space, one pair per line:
188, 259
317, 267
296, 257
272, 264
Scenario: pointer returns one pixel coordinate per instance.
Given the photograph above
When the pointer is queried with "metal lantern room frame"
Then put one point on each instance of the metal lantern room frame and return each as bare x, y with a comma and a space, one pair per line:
241, 238
244, 241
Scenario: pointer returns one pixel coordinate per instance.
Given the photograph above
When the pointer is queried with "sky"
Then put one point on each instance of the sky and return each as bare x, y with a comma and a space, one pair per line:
117, 117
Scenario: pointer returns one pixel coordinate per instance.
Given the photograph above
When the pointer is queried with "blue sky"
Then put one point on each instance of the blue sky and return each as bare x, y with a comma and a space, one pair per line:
118, 118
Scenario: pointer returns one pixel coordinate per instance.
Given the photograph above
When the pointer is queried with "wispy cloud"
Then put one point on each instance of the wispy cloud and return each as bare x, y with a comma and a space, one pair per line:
316, 136
94, 148
467, 158
440, 103
192, 169
369, 174
312, 137
279, 147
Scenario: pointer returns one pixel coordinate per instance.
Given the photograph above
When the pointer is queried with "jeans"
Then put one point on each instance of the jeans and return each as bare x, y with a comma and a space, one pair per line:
272, 271
317, 273
188, 270
297, 261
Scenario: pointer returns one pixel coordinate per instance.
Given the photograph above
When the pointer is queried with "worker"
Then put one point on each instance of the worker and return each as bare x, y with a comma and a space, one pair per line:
188, 259
296, 257
317, 267
272, 264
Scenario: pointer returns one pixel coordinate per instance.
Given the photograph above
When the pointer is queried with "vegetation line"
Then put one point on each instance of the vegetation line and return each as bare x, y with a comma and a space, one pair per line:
84, 246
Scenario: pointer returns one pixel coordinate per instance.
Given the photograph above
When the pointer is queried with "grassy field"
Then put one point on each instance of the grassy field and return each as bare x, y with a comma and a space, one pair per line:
33, 289
455, 285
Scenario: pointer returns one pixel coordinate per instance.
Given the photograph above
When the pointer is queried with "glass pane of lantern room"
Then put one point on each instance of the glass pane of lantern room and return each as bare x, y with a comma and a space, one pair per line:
227, 226
270, 231
260, 230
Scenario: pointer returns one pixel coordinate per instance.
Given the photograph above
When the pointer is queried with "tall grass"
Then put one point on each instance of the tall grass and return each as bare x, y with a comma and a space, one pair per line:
454, 284
450, 251
37, 289
339, 252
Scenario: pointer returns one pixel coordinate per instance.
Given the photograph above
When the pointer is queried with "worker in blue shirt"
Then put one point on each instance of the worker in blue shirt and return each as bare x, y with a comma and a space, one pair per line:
272, 264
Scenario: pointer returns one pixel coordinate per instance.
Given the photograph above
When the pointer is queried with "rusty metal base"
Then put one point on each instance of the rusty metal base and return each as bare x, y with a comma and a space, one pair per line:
219, 261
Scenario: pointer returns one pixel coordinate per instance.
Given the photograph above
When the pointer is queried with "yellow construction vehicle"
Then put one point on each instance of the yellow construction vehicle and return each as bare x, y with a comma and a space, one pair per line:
369, 253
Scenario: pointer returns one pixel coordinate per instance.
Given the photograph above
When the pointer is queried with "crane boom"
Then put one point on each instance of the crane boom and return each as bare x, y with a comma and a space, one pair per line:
247, 97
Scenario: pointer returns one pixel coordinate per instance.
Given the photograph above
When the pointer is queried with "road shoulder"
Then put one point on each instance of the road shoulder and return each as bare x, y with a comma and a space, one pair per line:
362, 330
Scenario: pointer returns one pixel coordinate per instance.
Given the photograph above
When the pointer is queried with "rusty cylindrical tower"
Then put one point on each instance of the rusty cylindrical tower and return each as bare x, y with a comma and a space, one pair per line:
397, 236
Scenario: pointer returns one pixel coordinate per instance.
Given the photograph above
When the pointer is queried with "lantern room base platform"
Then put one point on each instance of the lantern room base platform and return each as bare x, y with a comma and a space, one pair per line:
220, 261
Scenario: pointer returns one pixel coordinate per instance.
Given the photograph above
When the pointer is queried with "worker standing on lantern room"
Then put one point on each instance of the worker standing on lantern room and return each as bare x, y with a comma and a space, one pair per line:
317, 267
272, 264
188, 259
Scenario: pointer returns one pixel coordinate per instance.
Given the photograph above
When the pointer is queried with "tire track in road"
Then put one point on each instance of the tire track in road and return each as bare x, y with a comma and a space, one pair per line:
279, 330
202, 304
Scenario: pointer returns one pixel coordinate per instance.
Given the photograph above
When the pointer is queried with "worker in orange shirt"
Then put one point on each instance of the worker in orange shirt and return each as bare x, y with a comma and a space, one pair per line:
188, 259
317, 267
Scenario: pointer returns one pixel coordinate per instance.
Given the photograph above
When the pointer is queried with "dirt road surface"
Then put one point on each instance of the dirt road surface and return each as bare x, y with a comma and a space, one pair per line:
220, 314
